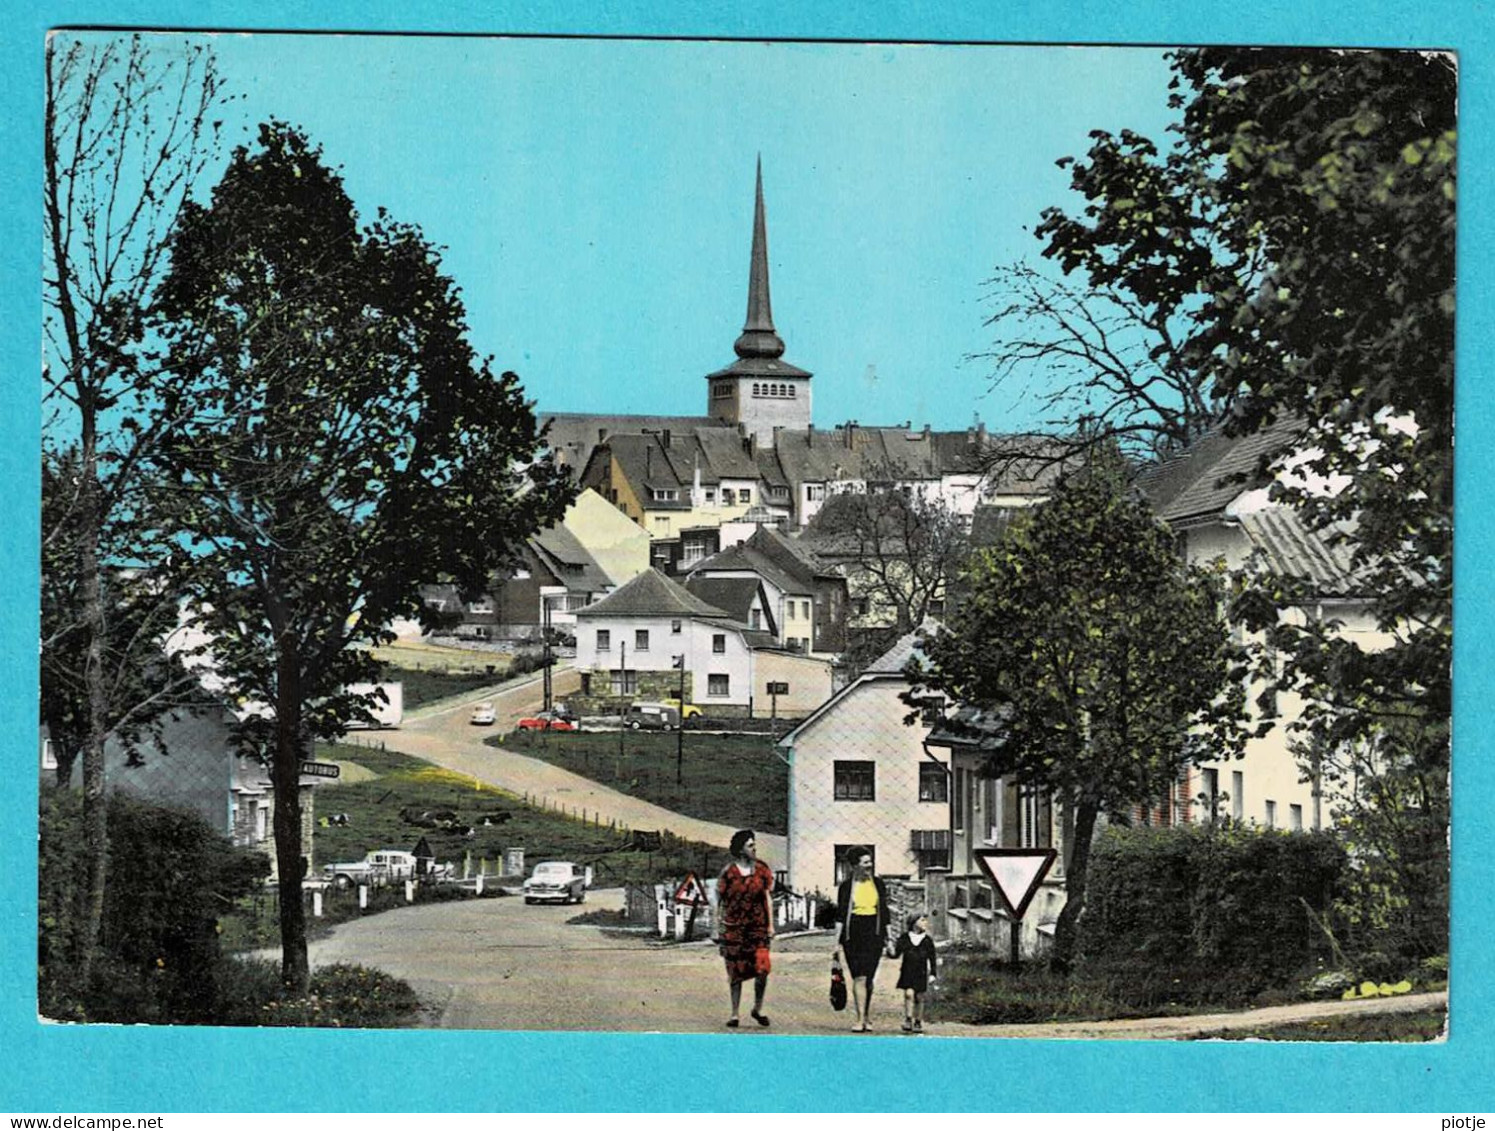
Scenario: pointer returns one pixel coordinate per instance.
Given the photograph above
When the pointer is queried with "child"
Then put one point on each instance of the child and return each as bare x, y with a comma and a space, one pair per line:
916, 949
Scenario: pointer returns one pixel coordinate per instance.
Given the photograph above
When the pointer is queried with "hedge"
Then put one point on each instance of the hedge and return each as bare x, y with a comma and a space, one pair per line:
1207, 914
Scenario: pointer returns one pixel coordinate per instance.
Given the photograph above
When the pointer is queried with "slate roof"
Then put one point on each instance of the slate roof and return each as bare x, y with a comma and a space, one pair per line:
1205, 478
573, 435
734, 595
896, 658
652, 594
1291, 548
744, 557
569, 560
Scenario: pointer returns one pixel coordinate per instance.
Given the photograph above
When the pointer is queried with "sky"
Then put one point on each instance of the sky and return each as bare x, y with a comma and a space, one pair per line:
594, 197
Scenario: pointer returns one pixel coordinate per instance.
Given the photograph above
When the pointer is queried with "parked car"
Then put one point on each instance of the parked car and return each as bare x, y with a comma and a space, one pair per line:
546, 720
557, 880
688, 711
382, 866
483, 715
651, 716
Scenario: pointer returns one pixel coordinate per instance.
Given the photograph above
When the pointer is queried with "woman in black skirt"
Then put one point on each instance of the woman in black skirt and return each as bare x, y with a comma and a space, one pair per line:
862, 911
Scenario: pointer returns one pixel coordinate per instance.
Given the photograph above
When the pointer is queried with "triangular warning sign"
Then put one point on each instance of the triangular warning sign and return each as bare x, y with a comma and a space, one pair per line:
691, 891
1016, 873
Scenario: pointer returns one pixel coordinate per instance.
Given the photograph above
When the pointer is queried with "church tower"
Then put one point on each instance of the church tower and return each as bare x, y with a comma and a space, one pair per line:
759, 391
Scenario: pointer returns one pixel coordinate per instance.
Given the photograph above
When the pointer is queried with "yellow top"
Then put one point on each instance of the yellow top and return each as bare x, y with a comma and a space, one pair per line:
863, 897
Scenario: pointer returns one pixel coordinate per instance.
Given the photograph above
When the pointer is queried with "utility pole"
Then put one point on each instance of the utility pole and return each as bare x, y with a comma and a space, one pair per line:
545, 634
622, 692
680, 744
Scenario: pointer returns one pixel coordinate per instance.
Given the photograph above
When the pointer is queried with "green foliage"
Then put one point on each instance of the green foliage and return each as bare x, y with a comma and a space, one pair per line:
170, 877
339, 997
336, 442
422, 687
1097, 651
1199, 914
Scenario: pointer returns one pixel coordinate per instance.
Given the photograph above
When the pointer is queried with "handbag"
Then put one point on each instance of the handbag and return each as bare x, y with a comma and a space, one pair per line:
838, 988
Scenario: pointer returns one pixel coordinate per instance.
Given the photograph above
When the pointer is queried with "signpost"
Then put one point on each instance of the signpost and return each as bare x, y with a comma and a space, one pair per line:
321, 769
1016, 874
692, 893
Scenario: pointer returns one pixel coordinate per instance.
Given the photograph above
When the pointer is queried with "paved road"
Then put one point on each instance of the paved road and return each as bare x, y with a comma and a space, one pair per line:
500, 964
443, 735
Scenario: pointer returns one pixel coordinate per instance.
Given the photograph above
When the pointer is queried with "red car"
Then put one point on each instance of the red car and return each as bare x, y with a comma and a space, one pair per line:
545, 720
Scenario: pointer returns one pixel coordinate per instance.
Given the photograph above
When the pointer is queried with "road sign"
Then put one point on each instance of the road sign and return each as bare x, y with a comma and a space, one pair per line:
1016, 873
321, 769
691, 891
778, 689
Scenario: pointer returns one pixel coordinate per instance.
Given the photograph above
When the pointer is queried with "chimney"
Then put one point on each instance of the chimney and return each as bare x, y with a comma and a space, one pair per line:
666, 434
648, 461
747, 445
926, 432
810, 434
981, 431
601, 434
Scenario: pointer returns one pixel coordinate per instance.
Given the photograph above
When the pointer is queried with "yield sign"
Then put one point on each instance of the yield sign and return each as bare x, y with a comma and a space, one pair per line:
691, 891
1016, 873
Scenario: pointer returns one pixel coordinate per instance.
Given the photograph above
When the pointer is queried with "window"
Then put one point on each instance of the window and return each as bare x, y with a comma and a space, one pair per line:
859, 606
719, 643
1237, 795
1295, 818
791, 610
662, 526
1037, 819
854, 781
729, 497
755, 617
49, 755
757, 389
932, 710
665, 494
624, 683
805, 609
481, 607
934, 783
694, 550
814, 492
744, 495
777, 492
793, 390
845, 865
721, 389
604, 640
719, 686
586, 683
674, 628
641, 640
1271, 814
1211, 791
711, 494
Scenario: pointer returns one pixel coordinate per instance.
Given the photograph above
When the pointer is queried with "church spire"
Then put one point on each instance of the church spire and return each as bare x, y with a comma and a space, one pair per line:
758, 338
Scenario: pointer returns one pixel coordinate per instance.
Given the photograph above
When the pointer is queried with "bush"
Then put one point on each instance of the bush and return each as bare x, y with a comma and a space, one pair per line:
1202, 914
341, 997
169, 877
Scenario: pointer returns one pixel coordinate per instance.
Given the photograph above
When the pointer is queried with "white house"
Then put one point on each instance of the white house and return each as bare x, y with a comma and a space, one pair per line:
638, 642
1202, 496
860, 777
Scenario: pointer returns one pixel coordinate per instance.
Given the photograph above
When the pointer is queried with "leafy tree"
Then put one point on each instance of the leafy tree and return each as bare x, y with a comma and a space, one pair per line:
128, 130
1307, 202
338, 443
1105, 666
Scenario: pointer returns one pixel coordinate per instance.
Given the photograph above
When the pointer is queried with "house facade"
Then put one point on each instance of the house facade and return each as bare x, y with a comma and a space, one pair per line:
860, 777
653, 634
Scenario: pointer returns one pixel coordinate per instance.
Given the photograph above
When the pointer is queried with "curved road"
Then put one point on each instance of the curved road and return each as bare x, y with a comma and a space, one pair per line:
501, 964
442, 734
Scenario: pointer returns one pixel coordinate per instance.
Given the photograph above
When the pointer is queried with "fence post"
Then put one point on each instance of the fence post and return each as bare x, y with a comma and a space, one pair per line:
479, 888
409, 891
363, 897
316, 905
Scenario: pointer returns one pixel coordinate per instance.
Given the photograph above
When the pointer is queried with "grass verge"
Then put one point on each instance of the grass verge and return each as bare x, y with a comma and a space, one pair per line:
497, 821
340, 997
1413, 1027
731, 779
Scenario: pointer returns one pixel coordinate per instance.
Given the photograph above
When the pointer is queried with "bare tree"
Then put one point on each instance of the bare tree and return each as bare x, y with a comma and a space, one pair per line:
128, 130
1103, 365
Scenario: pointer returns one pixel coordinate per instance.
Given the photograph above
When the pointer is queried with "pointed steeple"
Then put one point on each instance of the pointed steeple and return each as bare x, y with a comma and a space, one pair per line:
758, 338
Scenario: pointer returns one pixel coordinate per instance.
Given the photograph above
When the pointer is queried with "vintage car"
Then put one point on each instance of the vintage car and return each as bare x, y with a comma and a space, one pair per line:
651, 716
557, 880
546, 720
384, 866
483, 715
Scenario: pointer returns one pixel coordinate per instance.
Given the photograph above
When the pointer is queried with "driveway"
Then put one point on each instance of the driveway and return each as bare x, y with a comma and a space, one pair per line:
502, 964
442, 734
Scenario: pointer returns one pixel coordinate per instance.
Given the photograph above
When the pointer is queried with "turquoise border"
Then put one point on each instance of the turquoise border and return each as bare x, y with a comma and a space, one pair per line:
61, 1069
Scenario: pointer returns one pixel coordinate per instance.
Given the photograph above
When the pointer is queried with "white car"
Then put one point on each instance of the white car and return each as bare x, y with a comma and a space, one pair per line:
557, 879
483, 715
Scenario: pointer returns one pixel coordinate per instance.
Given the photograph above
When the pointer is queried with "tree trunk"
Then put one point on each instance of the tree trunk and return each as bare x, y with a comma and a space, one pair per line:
1066, 931
295, 968
95, 811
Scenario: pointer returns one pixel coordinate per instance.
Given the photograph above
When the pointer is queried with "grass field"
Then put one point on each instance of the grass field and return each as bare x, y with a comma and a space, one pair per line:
413, 655
731, 779
399, 782
423, 687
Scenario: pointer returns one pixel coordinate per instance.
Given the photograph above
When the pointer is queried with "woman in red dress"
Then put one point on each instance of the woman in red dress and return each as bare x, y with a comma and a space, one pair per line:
744, 922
